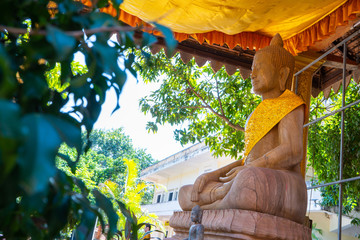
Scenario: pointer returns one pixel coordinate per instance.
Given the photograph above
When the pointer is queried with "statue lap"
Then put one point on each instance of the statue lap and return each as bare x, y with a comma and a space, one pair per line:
276, 192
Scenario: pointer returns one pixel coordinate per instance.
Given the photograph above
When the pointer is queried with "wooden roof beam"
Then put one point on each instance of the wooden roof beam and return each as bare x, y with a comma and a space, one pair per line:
238, 58
211, 52
334, 61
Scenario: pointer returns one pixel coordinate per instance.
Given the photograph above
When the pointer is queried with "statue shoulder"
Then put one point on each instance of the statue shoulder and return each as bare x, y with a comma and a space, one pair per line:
200, 227
298, 113
293, 119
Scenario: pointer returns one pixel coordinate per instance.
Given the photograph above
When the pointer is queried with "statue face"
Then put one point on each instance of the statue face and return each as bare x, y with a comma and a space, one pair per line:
264, 76
194, 216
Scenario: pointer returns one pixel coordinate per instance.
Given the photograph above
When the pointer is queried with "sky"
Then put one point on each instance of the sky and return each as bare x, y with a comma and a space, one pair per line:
161, 144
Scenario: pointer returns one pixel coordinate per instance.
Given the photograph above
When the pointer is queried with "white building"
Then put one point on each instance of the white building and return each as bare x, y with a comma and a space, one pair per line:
184, 167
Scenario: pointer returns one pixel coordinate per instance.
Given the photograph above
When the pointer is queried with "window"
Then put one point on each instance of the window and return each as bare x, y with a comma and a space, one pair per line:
176, 195
158, 198
170, 196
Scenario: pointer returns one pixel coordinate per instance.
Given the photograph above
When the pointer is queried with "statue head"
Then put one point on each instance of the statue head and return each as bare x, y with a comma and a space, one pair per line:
196, 214
273, 67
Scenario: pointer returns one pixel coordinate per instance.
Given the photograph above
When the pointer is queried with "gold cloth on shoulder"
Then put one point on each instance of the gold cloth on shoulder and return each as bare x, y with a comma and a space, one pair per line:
267, 115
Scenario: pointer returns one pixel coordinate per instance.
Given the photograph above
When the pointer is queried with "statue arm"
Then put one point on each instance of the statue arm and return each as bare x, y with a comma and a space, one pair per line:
224, 170
200, 232
204, 178
289, 153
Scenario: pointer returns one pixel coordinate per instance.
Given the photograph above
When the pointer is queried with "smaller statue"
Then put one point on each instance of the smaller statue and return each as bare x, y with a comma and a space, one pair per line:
196, 231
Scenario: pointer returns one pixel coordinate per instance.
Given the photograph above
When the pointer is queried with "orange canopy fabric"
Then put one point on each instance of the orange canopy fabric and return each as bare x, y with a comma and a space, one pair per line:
249, 24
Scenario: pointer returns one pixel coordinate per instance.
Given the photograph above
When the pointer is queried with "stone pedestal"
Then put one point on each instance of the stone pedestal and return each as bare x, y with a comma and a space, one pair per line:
240, 224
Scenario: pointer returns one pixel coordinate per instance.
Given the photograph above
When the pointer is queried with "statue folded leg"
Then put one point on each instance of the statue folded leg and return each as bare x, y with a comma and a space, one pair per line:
277, 192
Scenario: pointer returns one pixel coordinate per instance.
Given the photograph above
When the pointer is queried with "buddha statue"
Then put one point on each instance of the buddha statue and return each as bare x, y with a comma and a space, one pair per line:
196, 231
268, 179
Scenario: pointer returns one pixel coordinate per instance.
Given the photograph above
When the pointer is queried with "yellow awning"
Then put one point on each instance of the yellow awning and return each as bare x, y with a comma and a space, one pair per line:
231, 17
247, 23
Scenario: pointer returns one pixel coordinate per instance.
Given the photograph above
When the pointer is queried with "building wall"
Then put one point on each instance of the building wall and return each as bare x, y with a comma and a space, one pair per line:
327, 222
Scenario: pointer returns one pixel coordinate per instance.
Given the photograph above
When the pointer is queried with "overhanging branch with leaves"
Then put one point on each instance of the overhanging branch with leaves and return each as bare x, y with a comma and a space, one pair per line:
222, 116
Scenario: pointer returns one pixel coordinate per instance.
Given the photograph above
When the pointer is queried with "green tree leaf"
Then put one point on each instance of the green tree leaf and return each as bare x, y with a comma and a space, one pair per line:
68, 132
62, 43
106, 205
37, 157
9, 129
7, 83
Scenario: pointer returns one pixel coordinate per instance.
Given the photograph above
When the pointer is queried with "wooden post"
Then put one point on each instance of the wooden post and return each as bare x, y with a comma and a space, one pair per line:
304, 91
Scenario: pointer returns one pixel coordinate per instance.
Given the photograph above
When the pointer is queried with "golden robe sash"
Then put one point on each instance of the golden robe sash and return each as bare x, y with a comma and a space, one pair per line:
267, 115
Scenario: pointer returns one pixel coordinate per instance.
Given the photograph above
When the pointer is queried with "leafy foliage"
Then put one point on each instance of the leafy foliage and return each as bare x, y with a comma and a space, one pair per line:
37, 200
53, 76
115, 144
106, 160
324, 147
316, 232
128, 198
210, 107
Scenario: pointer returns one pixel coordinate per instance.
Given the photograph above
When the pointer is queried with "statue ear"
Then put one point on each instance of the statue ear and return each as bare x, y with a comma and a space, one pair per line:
284, 74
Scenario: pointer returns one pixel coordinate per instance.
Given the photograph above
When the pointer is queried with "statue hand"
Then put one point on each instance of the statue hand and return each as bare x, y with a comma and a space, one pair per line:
200, 183
231, 174
220, 192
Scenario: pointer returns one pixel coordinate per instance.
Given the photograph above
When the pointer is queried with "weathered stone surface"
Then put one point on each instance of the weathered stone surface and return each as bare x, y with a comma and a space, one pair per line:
240, 224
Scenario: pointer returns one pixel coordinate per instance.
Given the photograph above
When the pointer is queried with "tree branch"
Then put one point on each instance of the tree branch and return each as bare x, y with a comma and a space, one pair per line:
223, 117
194, 107
218, 97
76, 34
